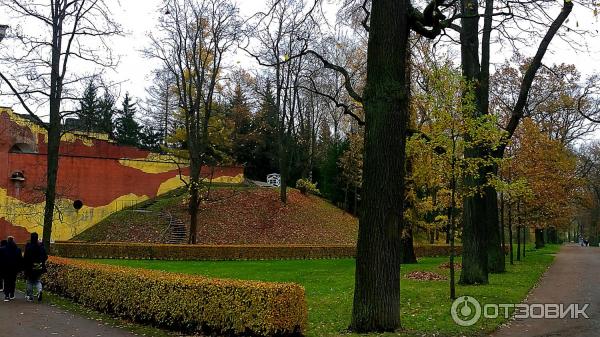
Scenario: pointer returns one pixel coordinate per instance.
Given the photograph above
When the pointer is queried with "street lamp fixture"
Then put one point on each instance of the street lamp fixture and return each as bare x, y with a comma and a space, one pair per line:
3, 29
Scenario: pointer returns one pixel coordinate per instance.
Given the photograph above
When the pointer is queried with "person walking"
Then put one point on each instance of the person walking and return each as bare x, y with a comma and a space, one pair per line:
34, 266
12, 262
2, 245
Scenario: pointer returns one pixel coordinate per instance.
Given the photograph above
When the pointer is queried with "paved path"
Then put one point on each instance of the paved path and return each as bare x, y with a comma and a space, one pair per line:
22, 319
573, 278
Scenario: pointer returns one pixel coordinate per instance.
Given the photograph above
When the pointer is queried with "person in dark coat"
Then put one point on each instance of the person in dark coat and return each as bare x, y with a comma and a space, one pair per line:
34, 266
12, 262
3, 244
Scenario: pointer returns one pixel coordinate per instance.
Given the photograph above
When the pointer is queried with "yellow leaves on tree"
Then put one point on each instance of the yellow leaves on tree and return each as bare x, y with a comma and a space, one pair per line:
549, 169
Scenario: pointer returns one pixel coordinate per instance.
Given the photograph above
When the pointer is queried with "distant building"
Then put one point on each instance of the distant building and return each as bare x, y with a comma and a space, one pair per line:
97, 177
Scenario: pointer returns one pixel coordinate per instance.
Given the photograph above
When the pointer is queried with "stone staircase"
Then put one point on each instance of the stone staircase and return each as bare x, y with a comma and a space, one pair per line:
177, 230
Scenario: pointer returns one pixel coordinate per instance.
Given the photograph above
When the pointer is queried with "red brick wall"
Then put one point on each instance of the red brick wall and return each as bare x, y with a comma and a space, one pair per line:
92, 174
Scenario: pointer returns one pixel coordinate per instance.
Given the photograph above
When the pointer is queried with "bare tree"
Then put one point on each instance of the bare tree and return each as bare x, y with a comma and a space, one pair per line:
193, 39
39, 71
282, 34
161, 104
558, 95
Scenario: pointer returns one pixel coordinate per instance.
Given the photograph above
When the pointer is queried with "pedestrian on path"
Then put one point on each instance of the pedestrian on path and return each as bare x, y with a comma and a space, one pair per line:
2, 245
35, 265
11, 262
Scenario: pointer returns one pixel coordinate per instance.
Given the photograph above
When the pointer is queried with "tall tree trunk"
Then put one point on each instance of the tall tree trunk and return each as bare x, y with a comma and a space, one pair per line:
51, 174
408, 248
194, 184
355, 200
524, 228
376, 304
346, 205
54, 131
451, 222
539, 238
448, 229
519, 231
475, 260
494, 244
283, 167
510, 234
502, 222
518, 242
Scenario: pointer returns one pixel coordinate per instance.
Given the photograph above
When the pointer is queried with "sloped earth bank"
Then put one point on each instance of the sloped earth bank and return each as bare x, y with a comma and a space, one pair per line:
234, 216
257, 216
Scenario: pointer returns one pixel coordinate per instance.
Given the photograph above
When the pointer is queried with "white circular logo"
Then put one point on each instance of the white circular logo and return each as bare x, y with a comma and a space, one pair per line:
465, 311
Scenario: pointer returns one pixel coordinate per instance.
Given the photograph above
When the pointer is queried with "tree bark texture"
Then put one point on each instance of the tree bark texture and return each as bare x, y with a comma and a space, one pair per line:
475, 260
377, 283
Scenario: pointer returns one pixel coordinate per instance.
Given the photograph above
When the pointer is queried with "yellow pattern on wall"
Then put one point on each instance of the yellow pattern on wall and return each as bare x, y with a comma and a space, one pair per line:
171, 184
150, 166
68, 222
230, 180
86, 139
176, 182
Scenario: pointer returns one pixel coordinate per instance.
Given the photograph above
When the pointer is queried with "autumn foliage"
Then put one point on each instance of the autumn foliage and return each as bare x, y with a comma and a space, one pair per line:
182, 302
549, 170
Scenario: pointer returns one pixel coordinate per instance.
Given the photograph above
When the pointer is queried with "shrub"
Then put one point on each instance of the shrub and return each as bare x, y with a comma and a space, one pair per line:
182, 302
124, 250
306, 186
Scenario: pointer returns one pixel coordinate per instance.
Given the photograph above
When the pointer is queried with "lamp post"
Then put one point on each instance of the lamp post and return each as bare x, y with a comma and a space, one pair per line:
3, 29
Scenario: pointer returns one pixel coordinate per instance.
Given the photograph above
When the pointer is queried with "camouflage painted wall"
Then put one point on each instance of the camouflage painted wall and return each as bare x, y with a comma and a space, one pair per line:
104, 176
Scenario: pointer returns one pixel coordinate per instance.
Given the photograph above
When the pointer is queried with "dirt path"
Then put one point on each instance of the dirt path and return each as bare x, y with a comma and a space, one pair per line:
573, 278
22, 319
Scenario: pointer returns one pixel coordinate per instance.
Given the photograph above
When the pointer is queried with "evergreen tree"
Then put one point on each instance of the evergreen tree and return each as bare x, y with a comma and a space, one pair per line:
127, 131
105, 115
265, 158
88, 111
243, 135
150, 139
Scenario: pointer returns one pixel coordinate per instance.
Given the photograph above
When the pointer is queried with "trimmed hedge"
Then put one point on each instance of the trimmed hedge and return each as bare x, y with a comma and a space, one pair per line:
182, 302
144, 251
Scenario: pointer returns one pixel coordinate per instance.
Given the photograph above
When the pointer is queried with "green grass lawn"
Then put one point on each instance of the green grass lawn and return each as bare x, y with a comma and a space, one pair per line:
329, 286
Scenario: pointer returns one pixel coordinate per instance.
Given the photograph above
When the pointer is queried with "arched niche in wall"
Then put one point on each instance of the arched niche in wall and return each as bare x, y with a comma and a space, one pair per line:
22, 148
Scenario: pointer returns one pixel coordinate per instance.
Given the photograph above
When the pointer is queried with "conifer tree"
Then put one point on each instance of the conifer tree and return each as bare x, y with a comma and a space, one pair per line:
88, 110
105, 115
127, 131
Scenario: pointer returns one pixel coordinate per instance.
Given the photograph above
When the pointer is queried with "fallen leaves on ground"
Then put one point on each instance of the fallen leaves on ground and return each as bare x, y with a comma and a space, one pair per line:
425, 276
446, 265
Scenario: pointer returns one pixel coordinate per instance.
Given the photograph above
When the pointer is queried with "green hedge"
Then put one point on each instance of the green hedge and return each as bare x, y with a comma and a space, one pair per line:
219, 252
182, 302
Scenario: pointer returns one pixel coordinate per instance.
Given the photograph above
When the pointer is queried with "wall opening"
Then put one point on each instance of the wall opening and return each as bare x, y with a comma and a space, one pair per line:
77, 204
22, 148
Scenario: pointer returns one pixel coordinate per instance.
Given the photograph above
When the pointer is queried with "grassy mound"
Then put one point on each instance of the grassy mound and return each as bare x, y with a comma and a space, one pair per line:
235, 215
140, 223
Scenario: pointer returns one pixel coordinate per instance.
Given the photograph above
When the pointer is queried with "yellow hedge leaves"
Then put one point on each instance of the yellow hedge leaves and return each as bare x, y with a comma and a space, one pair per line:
182, 302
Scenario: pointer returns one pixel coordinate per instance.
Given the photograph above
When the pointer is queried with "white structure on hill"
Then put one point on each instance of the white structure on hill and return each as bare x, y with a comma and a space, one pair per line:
274, 179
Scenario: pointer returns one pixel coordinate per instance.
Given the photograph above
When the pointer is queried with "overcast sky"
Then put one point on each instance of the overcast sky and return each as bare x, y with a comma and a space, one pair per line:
138, 17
